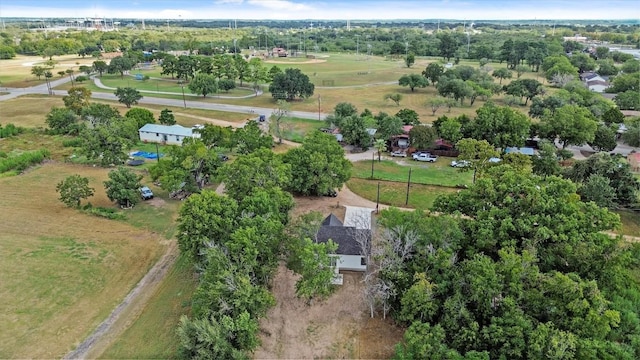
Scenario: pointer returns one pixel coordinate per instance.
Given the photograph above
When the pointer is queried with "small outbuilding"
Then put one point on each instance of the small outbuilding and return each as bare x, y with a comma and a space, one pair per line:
165, 134
522, 150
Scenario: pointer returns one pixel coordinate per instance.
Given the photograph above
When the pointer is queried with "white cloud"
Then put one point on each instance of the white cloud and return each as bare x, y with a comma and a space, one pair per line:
280, 5
225, 2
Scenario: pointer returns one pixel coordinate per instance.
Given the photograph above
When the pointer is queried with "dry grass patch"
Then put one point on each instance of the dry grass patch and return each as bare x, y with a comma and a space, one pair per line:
28, 111
63, 271
16, 72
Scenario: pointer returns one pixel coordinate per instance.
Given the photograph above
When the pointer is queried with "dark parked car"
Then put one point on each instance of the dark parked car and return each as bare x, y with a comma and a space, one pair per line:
146, 193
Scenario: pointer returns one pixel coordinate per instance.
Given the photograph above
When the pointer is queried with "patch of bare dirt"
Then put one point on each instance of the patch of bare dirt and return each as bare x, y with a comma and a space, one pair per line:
156, 202
337, 328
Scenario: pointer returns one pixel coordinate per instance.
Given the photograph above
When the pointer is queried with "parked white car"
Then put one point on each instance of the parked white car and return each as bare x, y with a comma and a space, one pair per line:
425, 157
398, 153
460, 163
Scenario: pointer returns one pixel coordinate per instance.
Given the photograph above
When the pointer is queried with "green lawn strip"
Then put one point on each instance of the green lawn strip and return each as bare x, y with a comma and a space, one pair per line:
162, 85
395, 193
438, 173
630, 222
295, 129
152, 335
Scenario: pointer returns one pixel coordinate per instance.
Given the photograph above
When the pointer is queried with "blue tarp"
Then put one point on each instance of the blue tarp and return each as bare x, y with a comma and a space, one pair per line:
146, 155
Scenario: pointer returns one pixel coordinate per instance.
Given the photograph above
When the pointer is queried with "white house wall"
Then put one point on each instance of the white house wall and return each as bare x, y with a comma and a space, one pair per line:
351, 263
159, 138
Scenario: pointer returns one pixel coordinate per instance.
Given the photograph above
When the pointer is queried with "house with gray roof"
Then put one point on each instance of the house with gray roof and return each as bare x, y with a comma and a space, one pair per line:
165, 134
349, 236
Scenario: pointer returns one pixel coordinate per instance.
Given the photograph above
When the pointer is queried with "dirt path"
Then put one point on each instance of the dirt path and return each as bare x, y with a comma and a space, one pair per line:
127, 311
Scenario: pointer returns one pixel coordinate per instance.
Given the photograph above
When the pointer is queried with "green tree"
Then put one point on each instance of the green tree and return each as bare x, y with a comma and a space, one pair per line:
502, 74
558, 65
7, 52
433, 72
203, 84
257, 72
99, 114
613, 116
437, 103
413, 81
120, 65
251, 138
395, 97
604, 138
77, 99
38, 71
597, 188
100, 66
290, 85
317, 166
128, 96
619, 174
422, 136
63, 121
546, 163
122, 187
107, 143
628, 100
448, 45
166, 117
226, 85
583, 62
477, 153
315, 267
525, 88
204, 220
408, 117
141, 116
450, 130
388, 126
410, 59
570, 124
354, 131
380, 145
261, 169
632, 135
73, 189
501, 126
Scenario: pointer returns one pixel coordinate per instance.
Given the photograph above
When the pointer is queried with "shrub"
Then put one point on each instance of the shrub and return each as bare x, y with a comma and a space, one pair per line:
10, 130
21, 162
108, 213
73, 142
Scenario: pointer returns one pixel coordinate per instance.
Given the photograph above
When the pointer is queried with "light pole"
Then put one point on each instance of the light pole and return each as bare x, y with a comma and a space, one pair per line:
184, 101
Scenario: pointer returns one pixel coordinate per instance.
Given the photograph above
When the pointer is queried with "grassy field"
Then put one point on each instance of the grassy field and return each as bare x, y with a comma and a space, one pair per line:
395, 193
152, 335
438, 173
295, 129
630, 222
35, 140
62, 271
16, 72
28, 111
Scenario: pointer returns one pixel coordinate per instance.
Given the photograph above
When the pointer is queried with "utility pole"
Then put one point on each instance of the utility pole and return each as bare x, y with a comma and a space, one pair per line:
373, 160
408, 185
319, 101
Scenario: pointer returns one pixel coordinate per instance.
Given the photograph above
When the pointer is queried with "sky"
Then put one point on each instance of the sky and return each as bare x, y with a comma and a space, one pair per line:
472, 10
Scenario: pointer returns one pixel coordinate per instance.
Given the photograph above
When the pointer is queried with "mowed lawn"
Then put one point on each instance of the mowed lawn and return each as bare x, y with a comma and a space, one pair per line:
438, 173
62, 271
153, 334
395, 193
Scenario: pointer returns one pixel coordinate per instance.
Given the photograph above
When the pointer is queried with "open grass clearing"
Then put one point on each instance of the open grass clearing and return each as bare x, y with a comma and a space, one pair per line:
295, 129
16, 72
36, 140
28, 111
438, 173
630, 222
63, 271
152, 334
395, 193
161, 85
